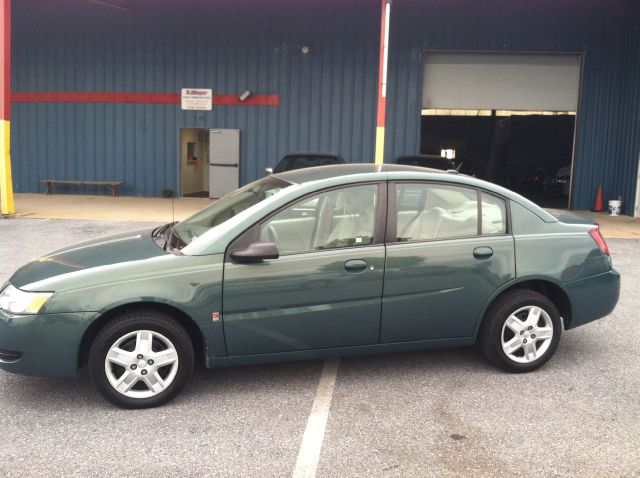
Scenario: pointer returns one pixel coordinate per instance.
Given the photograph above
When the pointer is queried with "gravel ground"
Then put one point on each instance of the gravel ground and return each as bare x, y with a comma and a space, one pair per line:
436, 413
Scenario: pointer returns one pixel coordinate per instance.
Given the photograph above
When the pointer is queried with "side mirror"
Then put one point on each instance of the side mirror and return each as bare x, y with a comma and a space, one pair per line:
269, 170
256, 252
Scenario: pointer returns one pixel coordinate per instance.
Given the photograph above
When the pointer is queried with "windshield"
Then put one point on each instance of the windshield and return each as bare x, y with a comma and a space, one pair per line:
227, 207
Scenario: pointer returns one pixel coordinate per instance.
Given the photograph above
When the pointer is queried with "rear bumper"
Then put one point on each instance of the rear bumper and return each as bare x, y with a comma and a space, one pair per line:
593, 297
44, 344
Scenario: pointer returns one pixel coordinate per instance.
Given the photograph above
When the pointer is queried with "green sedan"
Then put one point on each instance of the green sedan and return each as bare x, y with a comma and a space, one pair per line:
335, 260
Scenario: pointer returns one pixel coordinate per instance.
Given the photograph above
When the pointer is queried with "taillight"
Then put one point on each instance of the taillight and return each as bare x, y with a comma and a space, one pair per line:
596, 235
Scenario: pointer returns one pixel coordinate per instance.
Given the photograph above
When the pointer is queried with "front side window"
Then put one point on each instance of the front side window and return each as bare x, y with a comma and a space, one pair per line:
431, 211
333, 219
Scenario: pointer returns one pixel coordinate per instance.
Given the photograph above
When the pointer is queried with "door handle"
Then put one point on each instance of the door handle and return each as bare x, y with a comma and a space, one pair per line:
355, 265
482, 252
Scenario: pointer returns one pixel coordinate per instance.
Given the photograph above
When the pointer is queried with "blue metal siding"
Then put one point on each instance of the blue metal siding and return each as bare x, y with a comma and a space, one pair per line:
606, 34
327, 97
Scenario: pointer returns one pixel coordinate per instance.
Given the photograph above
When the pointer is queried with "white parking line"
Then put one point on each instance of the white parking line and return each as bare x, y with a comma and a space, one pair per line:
311, 445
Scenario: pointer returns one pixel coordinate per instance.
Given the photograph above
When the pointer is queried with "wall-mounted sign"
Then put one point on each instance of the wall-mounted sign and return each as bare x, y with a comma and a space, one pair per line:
196, 99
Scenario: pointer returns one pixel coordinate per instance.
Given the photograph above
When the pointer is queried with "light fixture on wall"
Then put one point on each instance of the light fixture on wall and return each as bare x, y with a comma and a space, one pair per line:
303, 49
244, 95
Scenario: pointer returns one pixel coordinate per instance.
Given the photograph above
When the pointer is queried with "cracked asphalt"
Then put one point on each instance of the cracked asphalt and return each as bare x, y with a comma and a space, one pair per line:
436, 413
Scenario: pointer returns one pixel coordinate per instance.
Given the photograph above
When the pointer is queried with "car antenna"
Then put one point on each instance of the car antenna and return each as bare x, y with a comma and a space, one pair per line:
173, 209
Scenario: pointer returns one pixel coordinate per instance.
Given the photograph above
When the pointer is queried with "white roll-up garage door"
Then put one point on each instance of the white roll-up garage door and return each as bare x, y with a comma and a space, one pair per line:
501, 81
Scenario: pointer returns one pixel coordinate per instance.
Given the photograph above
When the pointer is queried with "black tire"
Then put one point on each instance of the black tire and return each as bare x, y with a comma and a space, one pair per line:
494, 329
165, 330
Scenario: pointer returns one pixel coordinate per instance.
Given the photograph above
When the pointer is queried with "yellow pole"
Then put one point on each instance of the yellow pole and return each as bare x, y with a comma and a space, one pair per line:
6, 184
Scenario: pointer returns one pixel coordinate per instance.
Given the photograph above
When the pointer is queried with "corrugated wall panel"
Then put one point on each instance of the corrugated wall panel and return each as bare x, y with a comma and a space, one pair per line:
327, 96
605, 33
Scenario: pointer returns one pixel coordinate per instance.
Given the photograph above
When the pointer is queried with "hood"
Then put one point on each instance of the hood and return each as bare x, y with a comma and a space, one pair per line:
570, 217
133, 246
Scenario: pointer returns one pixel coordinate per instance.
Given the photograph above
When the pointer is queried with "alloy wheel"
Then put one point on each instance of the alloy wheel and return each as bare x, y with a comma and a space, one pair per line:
141, 364
527, 334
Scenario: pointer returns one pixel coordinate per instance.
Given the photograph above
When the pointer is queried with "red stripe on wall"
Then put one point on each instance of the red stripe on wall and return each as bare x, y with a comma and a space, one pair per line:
139, 98
57, 97
5, 59
253, 100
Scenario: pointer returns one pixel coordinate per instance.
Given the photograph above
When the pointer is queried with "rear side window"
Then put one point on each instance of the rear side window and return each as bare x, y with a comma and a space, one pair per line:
433, 211
494, 215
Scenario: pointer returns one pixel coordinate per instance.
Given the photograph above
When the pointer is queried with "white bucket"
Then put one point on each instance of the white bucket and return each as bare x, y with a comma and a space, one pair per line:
615, 206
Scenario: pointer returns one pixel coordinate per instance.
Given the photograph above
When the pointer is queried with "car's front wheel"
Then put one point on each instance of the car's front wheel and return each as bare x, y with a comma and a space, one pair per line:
521, 331
141, 359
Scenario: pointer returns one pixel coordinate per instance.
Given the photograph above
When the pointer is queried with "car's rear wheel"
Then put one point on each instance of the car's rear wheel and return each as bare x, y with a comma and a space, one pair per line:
141, 359
521, 331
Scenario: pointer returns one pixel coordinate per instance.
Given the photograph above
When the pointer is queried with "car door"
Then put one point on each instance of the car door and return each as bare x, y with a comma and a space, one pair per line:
325, 288
448, 250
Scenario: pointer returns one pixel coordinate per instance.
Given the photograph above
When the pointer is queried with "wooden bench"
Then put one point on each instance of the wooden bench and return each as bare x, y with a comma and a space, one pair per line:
113, 185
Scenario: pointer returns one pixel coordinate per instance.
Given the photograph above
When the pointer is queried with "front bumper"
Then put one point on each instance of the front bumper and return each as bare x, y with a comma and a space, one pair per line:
47, 344
593, 297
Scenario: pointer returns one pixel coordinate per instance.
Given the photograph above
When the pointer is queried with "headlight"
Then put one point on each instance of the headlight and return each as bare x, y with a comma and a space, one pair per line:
16, 301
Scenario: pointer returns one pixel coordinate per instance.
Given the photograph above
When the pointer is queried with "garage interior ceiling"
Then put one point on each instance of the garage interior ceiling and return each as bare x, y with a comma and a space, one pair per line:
501, 81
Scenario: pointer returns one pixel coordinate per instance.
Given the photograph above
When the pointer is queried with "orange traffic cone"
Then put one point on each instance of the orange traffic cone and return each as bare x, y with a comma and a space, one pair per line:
598, 207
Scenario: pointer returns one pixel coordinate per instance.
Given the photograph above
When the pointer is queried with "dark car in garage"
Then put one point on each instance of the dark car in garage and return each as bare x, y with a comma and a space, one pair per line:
308, 159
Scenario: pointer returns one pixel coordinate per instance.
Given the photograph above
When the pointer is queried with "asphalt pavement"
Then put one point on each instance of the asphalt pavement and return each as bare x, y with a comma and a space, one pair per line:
436, 413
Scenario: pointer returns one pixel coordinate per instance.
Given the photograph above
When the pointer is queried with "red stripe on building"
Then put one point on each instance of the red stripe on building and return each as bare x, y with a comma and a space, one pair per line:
138, 98
253, 100
57, 97
5, 59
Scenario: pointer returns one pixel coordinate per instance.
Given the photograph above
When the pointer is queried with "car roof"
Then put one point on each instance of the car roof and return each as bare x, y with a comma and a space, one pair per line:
312, 153
420, 156
300, 176
426, 161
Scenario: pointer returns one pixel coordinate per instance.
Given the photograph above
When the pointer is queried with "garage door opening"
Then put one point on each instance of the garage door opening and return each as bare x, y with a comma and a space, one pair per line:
528, 152
507, 118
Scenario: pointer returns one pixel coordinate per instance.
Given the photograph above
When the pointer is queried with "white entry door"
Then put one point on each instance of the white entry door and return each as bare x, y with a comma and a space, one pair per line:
224, 161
